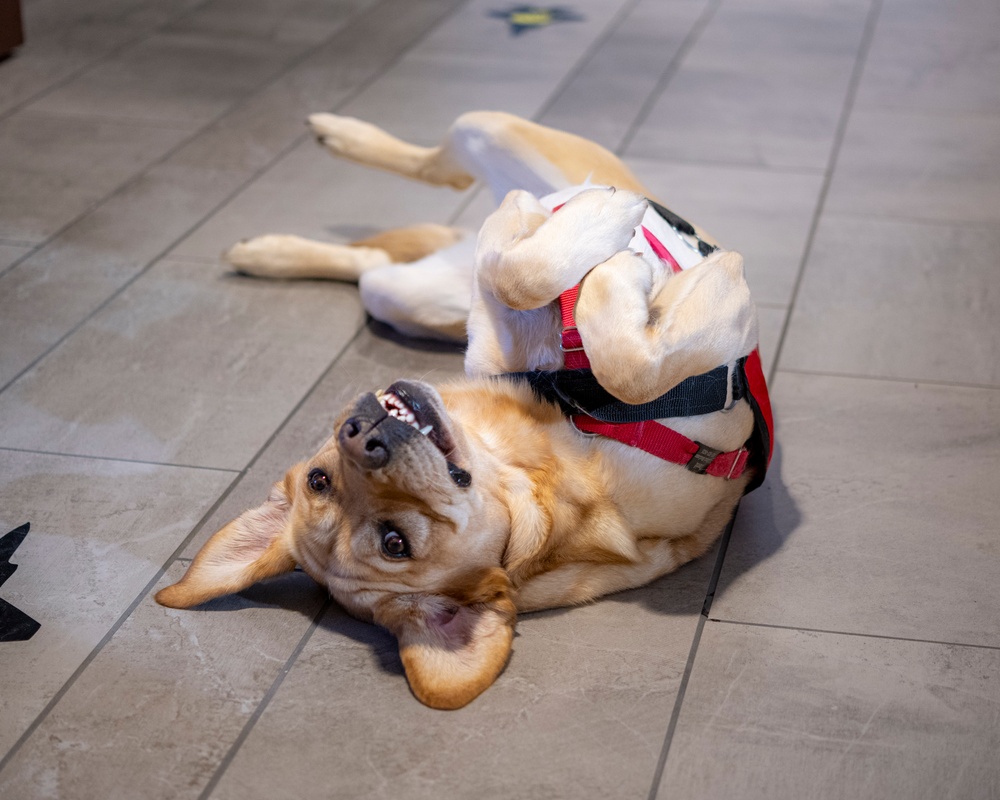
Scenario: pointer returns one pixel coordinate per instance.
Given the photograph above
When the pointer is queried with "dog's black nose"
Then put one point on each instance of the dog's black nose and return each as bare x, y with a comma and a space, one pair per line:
360, 441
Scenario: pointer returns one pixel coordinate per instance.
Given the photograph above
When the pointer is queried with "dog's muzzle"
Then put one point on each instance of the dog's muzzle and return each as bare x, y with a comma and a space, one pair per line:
370, 435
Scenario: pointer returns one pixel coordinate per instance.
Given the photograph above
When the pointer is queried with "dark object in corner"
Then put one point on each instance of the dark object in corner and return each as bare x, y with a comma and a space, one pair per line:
11, 29
15, 625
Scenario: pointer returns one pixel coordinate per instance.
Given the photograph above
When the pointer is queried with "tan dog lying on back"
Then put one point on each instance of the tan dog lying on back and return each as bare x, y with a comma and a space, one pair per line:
442, 513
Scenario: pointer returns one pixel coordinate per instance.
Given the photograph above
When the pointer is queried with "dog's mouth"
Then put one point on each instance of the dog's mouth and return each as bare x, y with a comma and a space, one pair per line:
413, 405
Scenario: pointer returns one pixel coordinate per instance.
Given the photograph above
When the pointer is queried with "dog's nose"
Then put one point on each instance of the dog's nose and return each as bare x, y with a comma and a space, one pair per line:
360, 441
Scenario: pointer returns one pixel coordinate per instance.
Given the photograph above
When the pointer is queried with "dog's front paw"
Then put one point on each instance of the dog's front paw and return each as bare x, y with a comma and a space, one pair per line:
609, 213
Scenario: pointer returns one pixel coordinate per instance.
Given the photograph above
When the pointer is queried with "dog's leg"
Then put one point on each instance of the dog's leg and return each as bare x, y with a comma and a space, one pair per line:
581, 582
368, 144
526, 258
640, 348
287, 256
428, 298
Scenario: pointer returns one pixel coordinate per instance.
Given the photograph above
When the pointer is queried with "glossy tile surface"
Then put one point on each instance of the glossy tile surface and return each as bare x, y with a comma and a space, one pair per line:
843, 644
845, 538
801, 714
100, 531
598, 680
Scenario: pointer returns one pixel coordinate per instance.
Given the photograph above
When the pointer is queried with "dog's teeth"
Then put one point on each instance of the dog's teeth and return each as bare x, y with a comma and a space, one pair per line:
426, 429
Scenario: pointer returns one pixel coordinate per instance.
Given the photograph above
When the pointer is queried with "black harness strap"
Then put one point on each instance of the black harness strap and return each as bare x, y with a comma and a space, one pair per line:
577, 391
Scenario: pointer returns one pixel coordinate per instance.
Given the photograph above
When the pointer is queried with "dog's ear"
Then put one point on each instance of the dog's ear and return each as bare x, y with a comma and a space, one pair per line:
453, 645
252, 547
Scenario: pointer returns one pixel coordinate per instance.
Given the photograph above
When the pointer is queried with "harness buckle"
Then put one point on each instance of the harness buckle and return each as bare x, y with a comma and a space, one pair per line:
702, 457
572, 421
562, 340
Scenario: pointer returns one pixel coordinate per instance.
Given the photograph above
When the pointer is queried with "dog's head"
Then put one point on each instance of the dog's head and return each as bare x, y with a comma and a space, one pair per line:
396, 516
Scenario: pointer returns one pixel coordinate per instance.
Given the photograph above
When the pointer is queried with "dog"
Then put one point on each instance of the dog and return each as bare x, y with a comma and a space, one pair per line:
613, 415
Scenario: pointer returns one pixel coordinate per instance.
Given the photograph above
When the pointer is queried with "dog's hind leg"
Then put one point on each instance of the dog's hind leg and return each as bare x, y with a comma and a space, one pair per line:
429, 298
288, 256
368, 144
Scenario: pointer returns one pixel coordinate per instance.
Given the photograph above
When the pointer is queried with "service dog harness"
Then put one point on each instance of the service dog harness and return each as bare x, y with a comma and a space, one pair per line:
593, 410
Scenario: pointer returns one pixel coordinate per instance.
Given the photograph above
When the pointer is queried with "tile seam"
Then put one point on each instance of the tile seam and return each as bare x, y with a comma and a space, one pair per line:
887, 379
864, 47
115, 52
264, 702
140, 461
703, 617
854, 634
692, 36
173, 557
292, 65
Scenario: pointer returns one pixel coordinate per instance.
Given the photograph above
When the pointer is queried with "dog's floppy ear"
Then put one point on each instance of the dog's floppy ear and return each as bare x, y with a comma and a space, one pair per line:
453, 645
252, 547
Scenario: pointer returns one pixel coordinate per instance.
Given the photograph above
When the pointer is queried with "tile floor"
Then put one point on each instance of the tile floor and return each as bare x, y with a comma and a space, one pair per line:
843, 643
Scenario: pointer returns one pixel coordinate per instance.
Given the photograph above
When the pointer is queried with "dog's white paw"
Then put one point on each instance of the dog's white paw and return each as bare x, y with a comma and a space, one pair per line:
270, 256
609, 211
340, 134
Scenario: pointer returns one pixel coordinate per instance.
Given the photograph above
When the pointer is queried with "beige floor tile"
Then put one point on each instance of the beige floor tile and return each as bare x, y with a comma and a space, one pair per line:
165, 699
580, 711
789, 714
371, 361
471, 61
310, 193
9, 253
764, 214
175, 79
932, 68
190, 365
100, 531
54, 168
877, 517
981, 15
762, 86
62, 283
937, 167
886, 298
604, 98
42, 17
269, 21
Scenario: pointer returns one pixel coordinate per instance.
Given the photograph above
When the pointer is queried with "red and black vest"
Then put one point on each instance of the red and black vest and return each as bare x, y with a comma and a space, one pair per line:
593, 410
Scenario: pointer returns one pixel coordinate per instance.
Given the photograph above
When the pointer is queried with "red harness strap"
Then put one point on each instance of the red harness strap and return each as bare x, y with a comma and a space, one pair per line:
652, 436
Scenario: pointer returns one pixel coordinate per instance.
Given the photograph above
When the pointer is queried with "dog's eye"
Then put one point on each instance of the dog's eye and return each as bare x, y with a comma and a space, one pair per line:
393, 542
319, 481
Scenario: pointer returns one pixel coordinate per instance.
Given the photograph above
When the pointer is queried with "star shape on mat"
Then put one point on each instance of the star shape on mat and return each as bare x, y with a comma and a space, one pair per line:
525, 18
15, 625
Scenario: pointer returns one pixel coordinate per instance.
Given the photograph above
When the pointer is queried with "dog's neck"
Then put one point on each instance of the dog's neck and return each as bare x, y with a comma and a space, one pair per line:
561, 505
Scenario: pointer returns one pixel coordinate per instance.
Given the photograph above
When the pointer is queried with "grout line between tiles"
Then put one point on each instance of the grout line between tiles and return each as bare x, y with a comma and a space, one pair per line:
722, 163
689, 666
592, 50
854, 634
889, 379
610, 29
116, 459
265, 701
864, 47
293, 64
114, 53
940, 222
176, 555
689, 41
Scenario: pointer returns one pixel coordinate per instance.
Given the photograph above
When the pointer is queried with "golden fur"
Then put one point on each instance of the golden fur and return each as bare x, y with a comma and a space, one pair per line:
499, 504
